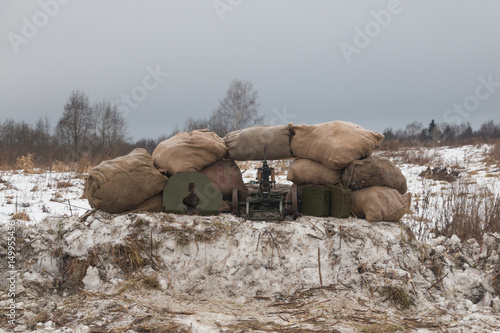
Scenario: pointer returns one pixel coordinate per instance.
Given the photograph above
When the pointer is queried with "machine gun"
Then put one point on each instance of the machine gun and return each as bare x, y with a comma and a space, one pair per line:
266, 204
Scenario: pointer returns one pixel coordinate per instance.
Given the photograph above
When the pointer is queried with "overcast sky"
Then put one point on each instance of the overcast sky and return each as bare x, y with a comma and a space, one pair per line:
376, 63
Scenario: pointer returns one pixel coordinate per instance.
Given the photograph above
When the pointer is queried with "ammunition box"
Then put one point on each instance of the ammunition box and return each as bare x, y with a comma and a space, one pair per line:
315, 200
340, 203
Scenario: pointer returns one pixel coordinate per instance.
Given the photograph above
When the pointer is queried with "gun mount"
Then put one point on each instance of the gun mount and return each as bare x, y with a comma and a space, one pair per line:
266, 204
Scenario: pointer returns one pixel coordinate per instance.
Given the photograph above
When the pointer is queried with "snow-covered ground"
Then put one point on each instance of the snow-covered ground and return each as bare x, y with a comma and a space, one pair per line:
472, 176
41, 194
173, 273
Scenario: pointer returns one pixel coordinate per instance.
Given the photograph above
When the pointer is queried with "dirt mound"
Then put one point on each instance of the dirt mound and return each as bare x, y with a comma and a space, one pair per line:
161, 272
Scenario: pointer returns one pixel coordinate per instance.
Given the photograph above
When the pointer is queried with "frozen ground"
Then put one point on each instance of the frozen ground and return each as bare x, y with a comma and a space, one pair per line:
170, 273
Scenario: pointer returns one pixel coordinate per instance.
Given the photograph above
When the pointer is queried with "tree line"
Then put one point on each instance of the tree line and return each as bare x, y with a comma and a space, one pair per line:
440, 134
96, 132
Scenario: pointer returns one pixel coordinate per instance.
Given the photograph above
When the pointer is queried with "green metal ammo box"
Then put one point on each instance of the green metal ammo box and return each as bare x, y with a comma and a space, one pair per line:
340, 204
315, 200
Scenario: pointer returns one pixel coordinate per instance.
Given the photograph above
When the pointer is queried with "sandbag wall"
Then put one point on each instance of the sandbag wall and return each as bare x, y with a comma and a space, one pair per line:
339, 153
334, 153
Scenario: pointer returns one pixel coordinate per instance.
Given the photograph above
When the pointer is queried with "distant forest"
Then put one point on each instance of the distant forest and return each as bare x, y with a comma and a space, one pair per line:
88, 133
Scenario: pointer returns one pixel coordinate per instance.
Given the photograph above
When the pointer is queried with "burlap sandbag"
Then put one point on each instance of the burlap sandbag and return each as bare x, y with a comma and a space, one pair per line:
153, 205
305, 171
248, 144
189, 152
335, 144
123, 183
380, 203
374, 171
226, 175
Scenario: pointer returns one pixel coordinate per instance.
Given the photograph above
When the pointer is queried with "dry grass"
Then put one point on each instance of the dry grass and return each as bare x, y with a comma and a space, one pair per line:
59, 166
494, 153
381, 328
26, 163
22, 216
41, 317
75, 269
130, 257
398, 297
64, 184
461, 209
151, 282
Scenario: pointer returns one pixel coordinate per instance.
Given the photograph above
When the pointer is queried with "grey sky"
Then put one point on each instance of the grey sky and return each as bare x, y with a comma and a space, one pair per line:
415, 65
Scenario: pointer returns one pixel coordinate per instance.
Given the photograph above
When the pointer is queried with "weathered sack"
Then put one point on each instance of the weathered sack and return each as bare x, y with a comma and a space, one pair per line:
248, 144
374, 171
189, 152
152, 205
305, 171
380, 203
226, 175
123, 183
335, 144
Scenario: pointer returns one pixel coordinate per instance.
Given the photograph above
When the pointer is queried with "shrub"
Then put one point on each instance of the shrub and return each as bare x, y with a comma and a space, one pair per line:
26, 163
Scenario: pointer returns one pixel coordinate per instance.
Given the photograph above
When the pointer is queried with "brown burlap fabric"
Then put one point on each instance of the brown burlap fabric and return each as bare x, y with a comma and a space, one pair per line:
123, 183
335, 144
189, 152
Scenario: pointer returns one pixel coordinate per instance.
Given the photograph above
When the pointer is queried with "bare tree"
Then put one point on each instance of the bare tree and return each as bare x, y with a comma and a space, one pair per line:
109, 128
42, 140
413, 131
237, 110
192, 124
75, 125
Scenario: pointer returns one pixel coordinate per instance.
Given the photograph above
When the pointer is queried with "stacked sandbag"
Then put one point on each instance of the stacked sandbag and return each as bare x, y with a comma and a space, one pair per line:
248, 144
123, 183
189, 152
373, 171
380, 203
305, 171
335, 144
226, 175
152, 205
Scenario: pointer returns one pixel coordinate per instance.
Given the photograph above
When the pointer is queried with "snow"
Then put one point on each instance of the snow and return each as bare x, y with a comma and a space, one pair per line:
225, 274
41, 194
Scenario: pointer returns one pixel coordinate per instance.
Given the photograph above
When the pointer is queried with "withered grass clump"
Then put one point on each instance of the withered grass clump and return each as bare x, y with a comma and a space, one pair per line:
151, 282
23, 216
165, 327
495, 280
187, 234
75, 270
132, 255
64, 184
398, 297
26, 163
381, 328
41, 317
